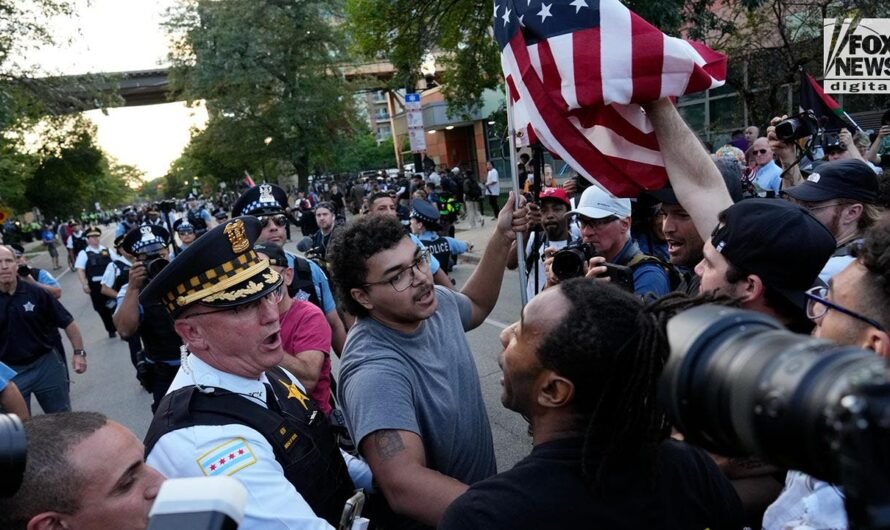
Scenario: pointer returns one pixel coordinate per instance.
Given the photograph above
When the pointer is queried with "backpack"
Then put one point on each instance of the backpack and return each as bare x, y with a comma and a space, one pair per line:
472, 189
675, 278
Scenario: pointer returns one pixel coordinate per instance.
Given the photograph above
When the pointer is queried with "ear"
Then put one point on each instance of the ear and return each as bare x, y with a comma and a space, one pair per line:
190, 334
47, 521
288, 275
751, 289
554, 391
361, 296
851, 213
878, 342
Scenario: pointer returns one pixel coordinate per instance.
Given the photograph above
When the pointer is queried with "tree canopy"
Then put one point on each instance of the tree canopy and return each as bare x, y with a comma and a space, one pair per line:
269, 72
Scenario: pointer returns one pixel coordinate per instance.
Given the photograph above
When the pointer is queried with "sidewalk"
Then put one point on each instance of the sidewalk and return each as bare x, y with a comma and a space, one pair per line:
478, 237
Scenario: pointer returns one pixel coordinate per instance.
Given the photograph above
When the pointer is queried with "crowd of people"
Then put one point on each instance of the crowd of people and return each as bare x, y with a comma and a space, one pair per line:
233, 334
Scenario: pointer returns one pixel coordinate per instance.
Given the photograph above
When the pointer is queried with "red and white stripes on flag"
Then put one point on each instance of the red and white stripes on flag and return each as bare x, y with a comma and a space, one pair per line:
578, 93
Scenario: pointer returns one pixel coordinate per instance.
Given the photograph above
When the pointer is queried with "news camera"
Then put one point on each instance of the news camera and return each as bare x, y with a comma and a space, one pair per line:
798, 127
737, 383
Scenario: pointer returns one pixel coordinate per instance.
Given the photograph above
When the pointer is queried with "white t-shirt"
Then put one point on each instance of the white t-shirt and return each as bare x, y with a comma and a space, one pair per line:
492, 183
539, 264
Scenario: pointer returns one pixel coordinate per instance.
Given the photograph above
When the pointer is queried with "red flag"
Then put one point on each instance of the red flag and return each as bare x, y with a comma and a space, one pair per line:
576, 72
247, 180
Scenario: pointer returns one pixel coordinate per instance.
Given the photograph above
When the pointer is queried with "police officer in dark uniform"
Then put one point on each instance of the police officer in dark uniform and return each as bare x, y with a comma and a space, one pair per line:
197, 216
90, 265
231, 410
268, 203
77, 241
149, 247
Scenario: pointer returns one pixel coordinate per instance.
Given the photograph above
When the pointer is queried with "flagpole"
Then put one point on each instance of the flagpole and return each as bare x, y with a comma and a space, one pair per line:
520, 238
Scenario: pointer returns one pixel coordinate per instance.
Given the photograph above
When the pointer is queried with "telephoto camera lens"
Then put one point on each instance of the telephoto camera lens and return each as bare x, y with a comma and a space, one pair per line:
569, 262
13, 454
737, 383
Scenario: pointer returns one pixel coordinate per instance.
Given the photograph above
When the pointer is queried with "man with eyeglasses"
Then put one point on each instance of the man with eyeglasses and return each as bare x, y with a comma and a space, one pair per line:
842, 195
767, 174
231, 410
408, 382
268, 203
605, 226
853, 310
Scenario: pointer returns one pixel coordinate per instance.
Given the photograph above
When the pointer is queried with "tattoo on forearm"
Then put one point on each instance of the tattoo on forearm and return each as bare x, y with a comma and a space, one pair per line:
388, 444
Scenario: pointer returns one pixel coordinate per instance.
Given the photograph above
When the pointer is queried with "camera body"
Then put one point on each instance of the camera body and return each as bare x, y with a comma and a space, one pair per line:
569, 262
803, 125
154, 264
832, 142
24, 270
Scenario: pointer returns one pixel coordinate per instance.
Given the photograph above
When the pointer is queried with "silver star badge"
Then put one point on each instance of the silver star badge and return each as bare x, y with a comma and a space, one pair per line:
29, 307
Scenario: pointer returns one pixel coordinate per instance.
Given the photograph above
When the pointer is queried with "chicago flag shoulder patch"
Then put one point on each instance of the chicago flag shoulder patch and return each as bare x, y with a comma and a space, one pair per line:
227, 458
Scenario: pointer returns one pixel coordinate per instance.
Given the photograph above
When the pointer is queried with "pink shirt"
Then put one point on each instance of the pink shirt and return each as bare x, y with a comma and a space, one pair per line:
304, 328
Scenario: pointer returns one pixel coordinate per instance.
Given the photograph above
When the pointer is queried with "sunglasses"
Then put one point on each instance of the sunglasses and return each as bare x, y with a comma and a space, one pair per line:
761, 151
278, 219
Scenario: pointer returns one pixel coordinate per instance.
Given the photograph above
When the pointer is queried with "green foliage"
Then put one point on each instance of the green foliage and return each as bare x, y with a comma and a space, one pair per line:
458, 34
72, 173
362, 152
268, 70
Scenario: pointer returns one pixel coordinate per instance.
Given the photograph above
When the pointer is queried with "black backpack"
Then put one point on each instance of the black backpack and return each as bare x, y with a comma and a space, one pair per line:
472, 189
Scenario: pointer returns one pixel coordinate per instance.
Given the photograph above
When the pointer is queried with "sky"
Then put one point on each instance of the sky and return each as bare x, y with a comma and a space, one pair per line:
117, 36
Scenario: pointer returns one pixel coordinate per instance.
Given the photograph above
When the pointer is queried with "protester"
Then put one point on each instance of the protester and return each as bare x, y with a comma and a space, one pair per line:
305, 334
83, 472
48, 237
325, 218
843, 196
231, 410
582, 364
552, 209
492, 190
854, 310
426, 433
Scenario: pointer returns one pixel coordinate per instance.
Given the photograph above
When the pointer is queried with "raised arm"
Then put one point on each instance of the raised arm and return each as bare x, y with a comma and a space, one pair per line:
696, 180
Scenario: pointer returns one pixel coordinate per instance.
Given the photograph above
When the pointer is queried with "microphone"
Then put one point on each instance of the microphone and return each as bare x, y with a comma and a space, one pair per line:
198, 503
304, 244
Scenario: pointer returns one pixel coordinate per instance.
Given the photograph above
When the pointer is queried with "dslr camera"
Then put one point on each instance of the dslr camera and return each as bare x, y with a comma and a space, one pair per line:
737, 383
154, 264
569, 262
832, 142
800, 126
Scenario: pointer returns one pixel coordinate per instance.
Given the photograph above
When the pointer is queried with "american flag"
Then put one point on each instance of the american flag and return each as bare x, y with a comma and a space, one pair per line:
576, 72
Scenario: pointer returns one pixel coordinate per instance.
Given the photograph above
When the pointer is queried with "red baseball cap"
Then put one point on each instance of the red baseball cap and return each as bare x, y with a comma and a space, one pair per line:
558, 194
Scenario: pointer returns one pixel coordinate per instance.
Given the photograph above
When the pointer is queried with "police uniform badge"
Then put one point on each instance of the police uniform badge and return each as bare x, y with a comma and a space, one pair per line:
147, 235
266, 193
237, 236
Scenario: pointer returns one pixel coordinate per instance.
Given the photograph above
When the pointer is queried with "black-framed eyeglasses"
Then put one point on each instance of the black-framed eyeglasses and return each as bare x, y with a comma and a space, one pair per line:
273, 296
595, 224
818, 305
404, 277
279, 219
760, 151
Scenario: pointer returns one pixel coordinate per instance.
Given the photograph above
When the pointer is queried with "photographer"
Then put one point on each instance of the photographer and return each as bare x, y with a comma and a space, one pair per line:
582, 365
29, 347
115, 277
879, 151
83, 472
605, 229
853, 310
149, 246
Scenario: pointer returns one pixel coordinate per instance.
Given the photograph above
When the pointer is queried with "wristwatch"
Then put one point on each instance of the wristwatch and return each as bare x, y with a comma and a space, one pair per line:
82, 353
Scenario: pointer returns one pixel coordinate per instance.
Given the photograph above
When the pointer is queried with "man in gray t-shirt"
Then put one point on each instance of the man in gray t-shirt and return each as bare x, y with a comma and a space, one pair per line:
408, 384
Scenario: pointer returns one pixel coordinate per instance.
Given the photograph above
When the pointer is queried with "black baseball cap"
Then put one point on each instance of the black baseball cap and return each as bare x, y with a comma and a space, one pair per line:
778, 241
841, 179
274, 252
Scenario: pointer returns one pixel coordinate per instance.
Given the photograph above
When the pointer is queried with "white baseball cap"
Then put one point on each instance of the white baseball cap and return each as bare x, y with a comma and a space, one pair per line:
596, 203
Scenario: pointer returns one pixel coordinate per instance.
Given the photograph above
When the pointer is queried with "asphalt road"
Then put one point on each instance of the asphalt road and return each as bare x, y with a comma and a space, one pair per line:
109, 384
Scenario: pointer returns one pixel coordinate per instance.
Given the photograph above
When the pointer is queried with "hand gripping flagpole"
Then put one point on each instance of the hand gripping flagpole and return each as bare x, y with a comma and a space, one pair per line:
520, 238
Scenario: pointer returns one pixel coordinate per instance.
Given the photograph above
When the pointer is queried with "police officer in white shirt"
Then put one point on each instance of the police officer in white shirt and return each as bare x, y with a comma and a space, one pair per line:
230, 409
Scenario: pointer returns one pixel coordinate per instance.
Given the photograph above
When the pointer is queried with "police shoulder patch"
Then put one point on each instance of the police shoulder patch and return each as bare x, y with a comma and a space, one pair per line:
227, 458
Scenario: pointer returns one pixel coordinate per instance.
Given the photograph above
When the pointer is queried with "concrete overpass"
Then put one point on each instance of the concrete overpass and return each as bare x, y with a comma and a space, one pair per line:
151, 87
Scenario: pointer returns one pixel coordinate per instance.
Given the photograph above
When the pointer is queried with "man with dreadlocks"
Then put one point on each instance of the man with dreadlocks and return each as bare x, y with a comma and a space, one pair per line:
582, 364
